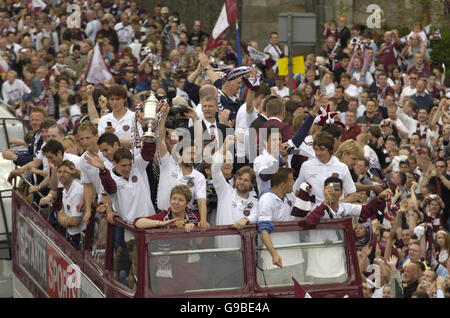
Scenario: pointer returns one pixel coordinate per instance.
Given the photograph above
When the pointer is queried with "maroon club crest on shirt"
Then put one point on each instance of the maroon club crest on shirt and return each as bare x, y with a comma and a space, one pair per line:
335, 174
289, 202
191, 183
126, 128
134, 179
246, 212
68, 207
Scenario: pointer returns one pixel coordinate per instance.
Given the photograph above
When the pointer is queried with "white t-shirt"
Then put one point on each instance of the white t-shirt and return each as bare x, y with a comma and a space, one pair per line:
90, 174
43, 158
230, 207
281, 92
123, 127
368, 79
92, 28
171, 175
273, 209
369, 152
70, 200
265, 164
329, 261
132, 199
124, 34
352, 90
315, 173
15, 91
243, 122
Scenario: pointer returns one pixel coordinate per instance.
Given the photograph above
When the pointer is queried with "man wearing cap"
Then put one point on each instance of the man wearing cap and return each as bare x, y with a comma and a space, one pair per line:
164, 18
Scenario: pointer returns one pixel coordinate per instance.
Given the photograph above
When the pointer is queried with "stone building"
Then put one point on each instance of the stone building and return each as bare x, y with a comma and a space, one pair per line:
257, 18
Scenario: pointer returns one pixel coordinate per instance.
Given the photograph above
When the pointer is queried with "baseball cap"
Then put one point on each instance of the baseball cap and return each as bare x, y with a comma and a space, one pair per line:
164, 10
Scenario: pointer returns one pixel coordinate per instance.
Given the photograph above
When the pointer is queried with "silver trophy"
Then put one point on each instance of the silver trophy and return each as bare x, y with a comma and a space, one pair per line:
151, 117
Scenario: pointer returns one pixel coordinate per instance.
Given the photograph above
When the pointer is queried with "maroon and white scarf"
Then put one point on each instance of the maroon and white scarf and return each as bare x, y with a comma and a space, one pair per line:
423, 135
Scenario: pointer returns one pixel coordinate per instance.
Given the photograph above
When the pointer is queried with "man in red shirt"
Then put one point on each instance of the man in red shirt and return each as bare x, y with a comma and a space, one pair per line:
386, 53
352, 130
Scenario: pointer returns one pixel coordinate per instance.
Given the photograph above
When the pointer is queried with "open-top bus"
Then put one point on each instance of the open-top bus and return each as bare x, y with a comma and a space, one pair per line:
45, 264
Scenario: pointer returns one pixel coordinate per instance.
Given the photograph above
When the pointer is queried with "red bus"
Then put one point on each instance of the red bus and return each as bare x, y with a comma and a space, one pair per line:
170, 262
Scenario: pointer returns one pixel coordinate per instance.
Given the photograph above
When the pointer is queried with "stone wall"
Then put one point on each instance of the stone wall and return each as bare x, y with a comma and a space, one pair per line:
396, 13
257, 18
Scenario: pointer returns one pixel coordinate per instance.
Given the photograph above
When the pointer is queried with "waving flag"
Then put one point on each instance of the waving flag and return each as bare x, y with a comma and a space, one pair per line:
299, 291
258, 56
35, 6
97, 71
227, 17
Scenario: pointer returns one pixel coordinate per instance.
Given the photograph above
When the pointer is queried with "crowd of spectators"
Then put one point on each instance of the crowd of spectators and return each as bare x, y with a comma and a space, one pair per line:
365, 131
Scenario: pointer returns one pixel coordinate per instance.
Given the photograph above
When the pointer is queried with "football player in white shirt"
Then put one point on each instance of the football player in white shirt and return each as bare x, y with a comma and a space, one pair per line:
245, 117
55, 154
121, 120
108, 143
69, 217
92, 185
172, 174
276, 206
127, 183
127, 186
236, 199
316, 171
328, 264
236, 207
268, 162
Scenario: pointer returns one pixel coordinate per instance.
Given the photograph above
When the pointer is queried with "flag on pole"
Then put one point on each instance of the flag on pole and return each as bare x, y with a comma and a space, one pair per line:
258, 56
35, 6
238, 46
227, 17
97, 71
299, 291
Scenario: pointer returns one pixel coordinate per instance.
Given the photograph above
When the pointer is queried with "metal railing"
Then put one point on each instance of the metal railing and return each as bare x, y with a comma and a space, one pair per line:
39, 208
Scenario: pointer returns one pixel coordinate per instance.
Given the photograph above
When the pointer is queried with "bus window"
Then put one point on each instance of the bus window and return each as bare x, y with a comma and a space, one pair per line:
182, 266
311, 257
125, 258
99, 244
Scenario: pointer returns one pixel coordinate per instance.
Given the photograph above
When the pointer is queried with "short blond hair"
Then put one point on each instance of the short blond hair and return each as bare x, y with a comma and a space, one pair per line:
88, 126
350, 147
182, 189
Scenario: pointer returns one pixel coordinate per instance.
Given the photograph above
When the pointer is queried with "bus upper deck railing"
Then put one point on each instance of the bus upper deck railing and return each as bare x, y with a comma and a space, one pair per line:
38, 206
